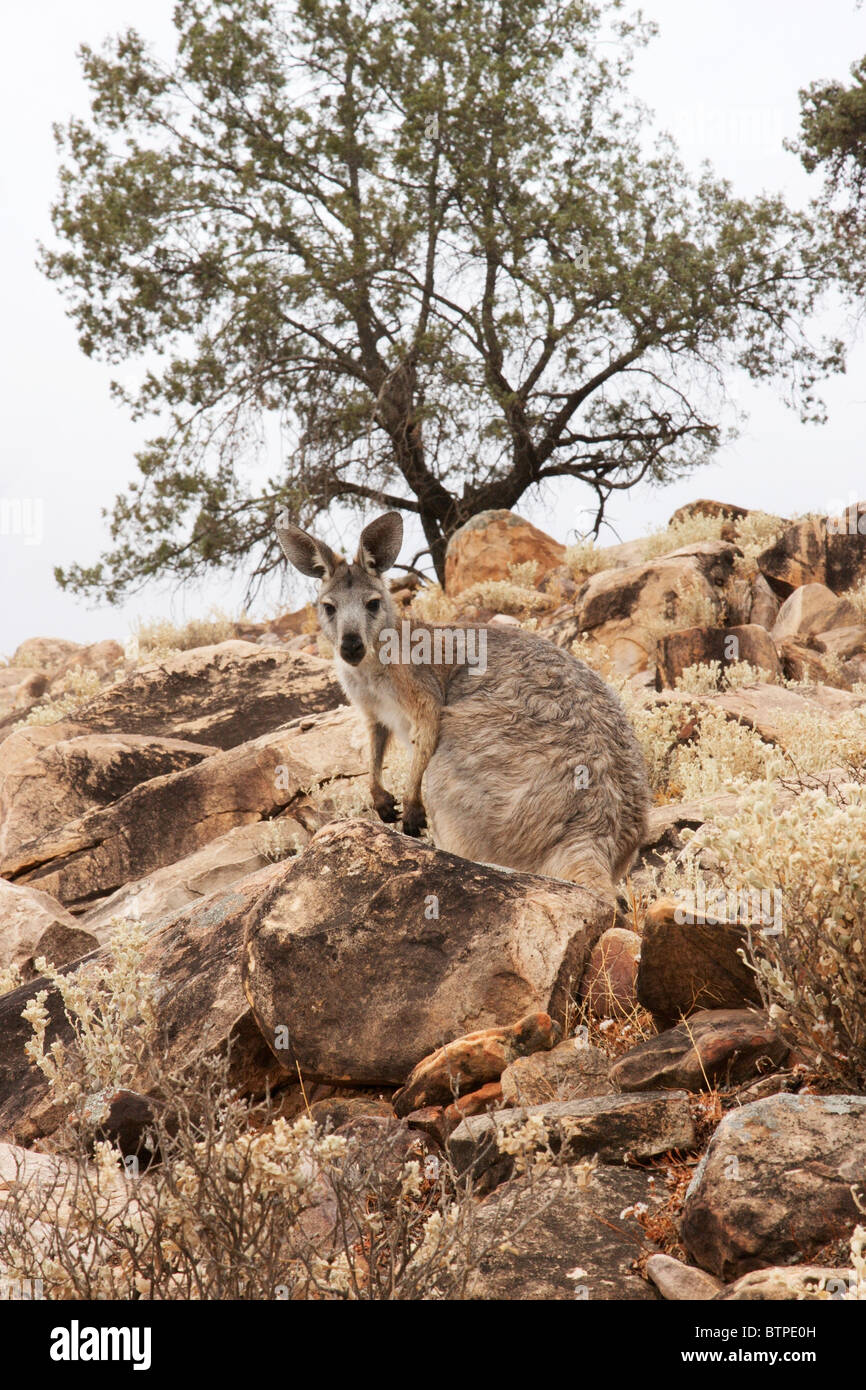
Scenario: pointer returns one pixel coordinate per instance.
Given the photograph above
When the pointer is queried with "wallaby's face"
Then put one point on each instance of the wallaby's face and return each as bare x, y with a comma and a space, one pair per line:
353, 607
353, 603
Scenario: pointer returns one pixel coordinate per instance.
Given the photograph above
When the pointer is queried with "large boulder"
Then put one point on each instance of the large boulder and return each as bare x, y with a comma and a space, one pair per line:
372, 950
169, 817
543, 1237
821, 550
846, 548
776, 1183
487, 546
225, 694
69, 777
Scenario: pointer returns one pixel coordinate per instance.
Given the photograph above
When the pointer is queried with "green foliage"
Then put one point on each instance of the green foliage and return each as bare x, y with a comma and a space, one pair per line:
426, 239
833, 142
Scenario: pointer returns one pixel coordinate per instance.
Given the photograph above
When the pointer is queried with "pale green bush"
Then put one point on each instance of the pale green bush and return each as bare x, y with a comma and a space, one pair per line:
813, 971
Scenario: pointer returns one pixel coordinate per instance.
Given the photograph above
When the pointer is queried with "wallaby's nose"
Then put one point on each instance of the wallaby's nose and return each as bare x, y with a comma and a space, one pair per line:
351, 648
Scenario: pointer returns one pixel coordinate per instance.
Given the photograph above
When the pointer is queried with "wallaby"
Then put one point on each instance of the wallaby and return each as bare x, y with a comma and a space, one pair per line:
529, 757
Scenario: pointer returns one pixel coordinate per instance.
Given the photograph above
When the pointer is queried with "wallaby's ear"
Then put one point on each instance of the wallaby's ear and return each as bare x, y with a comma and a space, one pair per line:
308, 555
380, 543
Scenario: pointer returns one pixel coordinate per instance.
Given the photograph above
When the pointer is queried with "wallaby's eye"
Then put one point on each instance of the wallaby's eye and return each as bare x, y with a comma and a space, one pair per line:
373, 605
328, 609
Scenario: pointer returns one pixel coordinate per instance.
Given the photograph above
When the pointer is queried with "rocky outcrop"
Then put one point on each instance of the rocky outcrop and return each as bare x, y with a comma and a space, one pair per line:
69, 777
371, 950
169, 817
226, 694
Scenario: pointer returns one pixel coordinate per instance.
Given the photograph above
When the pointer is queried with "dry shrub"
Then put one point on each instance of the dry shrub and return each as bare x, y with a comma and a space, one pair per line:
688, 530
161, 637
584, 558
812, 969
238, 1202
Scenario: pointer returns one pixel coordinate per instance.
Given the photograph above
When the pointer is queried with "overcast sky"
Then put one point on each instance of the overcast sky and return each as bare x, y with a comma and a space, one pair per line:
724, 81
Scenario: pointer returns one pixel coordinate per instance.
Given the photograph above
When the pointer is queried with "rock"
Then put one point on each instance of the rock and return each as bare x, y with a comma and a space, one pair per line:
231, 856
59, 944
776, 1183
765, 708
169, 817
72, 776
570, 1071
798, 557
705, 506
764, 605
130, 1118
195, 956
779, 1285
46, 653
811, 609
226, 694
613, 1127
430, 1120
624, 609
339, 1110
546, 1238
677, 650
471, 1061
478, 1102
678, 1282
846, 548
490, 543
102, 657
804, 661
714, 1047
609, 985
25, 916
372, 950
686, 966
843, 642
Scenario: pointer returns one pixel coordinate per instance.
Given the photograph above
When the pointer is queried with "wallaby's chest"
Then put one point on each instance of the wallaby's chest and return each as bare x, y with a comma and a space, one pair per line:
376, 699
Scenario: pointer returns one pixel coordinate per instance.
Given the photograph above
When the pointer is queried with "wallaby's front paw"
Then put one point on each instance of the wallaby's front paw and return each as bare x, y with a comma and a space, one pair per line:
414, 819
386, 808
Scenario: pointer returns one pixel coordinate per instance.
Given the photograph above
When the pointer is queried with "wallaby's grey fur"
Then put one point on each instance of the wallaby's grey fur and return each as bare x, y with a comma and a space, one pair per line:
532, 765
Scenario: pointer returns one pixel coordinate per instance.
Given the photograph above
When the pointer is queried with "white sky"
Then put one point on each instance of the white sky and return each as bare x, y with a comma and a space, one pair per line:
722, 79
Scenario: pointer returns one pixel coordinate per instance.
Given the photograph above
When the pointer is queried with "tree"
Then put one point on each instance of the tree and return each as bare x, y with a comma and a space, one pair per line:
833, 141
427, 237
